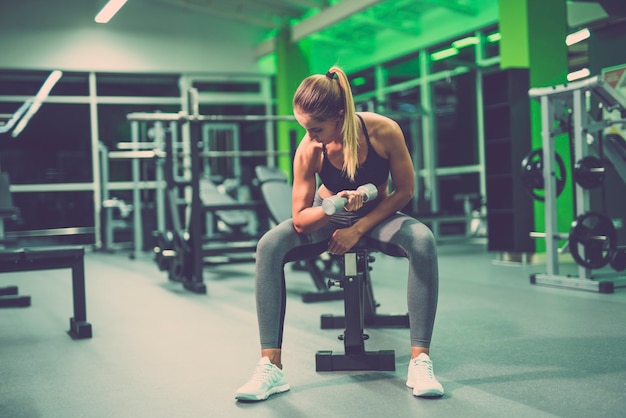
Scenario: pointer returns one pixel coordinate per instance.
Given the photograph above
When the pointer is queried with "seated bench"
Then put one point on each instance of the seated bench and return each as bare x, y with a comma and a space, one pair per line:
48, 258
360, 312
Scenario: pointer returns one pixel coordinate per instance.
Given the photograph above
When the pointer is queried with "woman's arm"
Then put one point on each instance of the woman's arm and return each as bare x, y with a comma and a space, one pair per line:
388, 137
306, 218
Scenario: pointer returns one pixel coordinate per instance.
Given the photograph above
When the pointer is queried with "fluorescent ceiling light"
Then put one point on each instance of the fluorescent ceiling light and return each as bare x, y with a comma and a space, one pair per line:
461, 43
575, 75
109, 10
444, 53
40, 97
576, 37
494, 37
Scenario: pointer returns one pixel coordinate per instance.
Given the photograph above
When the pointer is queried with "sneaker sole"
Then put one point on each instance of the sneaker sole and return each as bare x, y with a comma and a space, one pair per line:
262, 396
428, 394
433, 393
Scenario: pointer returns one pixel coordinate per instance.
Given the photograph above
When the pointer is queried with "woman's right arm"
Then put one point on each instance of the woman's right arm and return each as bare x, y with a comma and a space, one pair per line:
306, 218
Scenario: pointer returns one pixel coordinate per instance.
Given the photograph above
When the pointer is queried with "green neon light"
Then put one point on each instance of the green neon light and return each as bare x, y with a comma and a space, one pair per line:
444, 53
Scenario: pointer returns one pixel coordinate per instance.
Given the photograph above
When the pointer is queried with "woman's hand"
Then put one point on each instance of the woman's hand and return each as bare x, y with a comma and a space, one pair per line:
355, 200
342, 240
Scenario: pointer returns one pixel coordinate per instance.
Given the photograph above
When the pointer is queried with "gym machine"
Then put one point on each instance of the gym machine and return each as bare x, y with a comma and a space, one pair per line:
592, 240
184, 250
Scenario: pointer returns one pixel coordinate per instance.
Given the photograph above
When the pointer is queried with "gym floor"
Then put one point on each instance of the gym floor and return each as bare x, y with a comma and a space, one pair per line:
502, 347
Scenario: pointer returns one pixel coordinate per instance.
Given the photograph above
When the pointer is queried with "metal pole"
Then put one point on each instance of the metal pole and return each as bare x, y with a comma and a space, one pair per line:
159, 197
137, 227
183, 116
550, 209
95, 170
104, 196
580, 150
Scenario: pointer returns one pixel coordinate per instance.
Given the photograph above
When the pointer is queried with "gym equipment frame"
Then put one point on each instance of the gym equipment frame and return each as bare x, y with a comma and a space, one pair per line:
192, 279
47, 258
554, 102
360, 312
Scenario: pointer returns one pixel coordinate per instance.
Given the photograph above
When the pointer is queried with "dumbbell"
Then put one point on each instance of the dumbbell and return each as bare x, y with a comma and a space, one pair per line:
333, 204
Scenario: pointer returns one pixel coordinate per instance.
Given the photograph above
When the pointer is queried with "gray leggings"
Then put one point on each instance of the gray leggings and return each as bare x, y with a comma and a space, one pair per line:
399, 235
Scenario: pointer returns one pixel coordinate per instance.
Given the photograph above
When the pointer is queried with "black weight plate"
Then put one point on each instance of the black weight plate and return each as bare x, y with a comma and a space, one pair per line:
586, 174
532, 174
596, 253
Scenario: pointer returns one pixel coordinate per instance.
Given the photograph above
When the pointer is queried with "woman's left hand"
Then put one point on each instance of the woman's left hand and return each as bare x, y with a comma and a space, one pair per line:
342, 240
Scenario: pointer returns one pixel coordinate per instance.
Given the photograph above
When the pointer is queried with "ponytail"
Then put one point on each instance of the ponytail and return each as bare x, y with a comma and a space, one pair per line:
323, 97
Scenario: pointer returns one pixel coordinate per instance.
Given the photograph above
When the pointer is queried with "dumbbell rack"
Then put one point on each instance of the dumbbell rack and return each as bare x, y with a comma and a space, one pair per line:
554, 101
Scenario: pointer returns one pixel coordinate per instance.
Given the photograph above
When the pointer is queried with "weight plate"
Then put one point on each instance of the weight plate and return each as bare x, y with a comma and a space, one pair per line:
589, 172
532, 174
593, 240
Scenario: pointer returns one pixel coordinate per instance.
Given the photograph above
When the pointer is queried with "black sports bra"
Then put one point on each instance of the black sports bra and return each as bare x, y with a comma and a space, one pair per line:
374, 170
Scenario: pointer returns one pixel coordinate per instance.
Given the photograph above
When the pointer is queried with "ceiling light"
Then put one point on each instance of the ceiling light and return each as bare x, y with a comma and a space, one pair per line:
576, 37
109, 10
576, 75
444, 53
494, 37
461, 43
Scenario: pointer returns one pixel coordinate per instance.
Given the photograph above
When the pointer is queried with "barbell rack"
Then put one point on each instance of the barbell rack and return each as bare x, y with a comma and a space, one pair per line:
554, 101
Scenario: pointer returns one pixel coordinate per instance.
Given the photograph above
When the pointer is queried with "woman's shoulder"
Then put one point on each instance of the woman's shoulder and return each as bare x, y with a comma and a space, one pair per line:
379, 126
308, 146
309, 152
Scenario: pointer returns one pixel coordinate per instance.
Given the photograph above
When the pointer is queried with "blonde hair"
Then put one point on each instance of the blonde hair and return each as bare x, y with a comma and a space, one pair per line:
323, 97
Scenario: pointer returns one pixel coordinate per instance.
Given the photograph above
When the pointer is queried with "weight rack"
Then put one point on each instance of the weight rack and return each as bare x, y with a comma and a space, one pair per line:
191, 122
554, 102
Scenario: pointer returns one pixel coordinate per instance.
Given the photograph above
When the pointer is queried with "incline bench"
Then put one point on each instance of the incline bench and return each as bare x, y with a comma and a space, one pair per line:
48, 258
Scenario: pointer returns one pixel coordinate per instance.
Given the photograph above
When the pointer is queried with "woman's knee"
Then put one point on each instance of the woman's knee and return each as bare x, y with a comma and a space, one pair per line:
423, 233
281, 235
421, 236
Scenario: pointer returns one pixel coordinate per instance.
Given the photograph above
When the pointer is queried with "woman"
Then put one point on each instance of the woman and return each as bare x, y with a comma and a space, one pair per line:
345, 149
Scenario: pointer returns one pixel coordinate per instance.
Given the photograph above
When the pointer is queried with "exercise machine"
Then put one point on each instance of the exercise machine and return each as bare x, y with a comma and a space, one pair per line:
585, 129
191, 246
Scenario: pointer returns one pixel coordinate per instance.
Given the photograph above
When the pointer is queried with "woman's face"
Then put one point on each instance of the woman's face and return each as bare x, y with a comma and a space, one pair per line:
323, 132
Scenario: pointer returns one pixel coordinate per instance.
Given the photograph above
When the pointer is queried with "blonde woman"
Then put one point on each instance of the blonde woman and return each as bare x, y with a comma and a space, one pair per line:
346, 149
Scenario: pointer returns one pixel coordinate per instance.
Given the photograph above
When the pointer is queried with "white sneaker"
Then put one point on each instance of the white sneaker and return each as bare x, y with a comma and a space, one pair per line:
266, 380
422, 378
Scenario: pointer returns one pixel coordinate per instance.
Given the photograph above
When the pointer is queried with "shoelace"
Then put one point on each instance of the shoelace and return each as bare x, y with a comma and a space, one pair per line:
423, 368
261, 373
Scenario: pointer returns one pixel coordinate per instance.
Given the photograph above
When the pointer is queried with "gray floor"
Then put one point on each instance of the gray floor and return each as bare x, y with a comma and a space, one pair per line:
502, 347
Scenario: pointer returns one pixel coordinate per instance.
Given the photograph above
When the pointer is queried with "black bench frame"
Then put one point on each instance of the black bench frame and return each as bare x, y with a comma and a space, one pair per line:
48, 258
360, 311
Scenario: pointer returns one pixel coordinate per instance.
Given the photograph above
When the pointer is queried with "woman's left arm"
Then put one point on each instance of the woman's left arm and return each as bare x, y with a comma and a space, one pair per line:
402, 176
391, 138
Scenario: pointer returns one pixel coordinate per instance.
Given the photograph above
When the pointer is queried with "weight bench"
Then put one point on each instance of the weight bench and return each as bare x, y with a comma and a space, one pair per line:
48, 258
210, 195
360, 311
